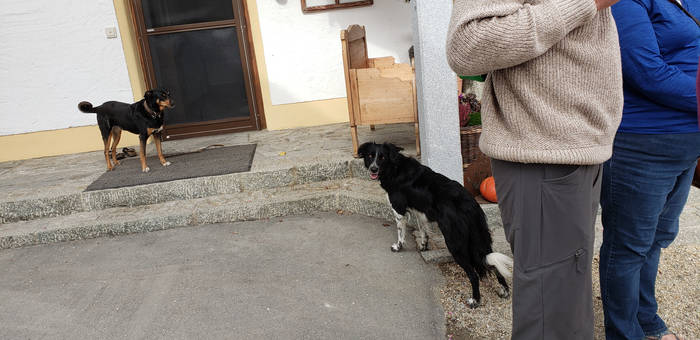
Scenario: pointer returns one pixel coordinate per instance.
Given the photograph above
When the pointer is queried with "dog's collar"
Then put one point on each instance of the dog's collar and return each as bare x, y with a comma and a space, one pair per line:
150, 111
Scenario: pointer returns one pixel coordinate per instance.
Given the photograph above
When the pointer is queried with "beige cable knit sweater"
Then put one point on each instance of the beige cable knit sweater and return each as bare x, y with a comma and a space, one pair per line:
554, 90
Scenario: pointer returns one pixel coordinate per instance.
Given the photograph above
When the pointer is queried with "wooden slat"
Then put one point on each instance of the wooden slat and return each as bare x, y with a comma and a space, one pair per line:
357, 54
383, 100
354, 99
346, 71
354, 32
400, 71
381, 62
415, 107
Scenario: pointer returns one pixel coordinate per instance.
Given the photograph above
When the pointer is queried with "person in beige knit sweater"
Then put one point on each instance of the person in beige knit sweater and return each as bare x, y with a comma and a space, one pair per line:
551, 106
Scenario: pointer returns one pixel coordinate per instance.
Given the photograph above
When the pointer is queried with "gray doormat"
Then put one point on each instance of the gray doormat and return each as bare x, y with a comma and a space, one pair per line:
210, 161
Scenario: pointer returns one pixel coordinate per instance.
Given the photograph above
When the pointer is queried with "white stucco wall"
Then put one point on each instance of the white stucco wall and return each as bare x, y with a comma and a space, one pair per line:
53, 54
303, 51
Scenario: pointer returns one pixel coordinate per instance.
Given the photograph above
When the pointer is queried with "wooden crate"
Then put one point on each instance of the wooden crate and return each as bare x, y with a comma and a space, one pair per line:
379, 90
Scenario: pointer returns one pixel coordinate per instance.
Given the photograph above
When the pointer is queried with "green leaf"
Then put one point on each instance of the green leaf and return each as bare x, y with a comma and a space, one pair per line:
474, 119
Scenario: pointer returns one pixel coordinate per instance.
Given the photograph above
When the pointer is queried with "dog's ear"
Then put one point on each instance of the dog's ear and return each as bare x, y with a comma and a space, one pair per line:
394, 151
396, 147
150, 98
364, 149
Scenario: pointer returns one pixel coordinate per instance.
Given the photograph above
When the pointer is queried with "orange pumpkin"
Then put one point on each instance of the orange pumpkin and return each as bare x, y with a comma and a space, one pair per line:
488, 189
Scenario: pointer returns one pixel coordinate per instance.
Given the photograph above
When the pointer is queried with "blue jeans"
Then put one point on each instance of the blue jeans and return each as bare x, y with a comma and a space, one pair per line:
645, 186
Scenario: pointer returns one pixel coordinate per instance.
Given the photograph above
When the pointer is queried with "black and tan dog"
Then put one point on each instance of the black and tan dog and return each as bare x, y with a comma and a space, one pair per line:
144, 118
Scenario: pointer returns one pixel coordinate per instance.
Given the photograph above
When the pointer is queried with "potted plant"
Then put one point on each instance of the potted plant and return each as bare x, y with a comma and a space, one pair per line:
469, 110
476, 165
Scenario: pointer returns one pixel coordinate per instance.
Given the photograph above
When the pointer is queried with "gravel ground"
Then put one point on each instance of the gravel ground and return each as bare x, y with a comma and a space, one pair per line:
677, 290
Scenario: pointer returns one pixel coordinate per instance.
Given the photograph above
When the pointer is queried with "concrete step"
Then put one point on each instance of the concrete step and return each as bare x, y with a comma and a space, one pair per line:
239, 206
349, 195
192, 188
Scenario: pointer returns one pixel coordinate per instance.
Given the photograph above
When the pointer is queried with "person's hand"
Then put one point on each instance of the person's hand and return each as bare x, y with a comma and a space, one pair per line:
603, 4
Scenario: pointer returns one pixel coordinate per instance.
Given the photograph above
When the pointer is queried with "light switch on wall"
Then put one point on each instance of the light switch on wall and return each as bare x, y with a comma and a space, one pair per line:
111, 32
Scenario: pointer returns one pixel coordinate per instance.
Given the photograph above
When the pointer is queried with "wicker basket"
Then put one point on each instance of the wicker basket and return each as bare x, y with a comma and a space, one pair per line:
469, 137
477, 166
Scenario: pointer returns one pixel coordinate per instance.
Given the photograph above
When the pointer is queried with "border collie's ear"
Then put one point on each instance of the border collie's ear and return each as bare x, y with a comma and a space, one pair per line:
394, 151
363, 150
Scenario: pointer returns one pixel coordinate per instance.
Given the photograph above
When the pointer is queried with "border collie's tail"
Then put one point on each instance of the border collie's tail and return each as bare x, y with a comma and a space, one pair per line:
503, 263
86, 107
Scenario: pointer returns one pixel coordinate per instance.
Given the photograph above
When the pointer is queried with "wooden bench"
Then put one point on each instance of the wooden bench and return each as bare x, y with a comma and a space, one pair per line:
379, 90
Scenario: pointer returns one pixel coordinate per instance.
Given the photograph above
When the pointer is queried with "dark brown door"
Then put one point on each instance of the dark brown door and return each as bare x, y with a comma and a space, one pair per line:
198, 50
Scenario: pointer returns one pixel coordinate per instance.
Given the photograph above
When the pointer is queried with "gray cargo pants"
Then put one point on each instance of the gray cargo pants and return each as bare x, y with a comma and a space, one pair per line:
548, 214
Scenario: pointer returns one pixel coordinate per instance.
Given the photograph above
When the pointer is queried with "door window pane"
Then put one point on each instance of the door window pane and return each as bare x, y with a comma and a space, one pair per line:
160, 13
204, 73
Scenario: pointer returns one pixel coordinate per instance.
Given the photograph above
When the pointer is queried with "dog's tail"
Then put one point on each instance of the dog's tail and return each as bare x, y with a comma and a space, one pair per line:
86, 107
503, 263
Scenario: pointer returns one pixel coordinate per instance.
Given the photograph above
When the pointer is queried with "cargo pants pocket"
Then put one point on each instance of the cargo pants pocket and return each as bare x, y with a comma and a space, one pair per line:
564, 268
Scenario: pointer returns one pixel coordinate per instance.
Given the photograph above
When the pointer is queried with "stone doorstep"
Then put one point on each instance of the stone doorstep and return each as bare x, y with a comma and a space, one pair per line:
239, 206
343, 196
184, 189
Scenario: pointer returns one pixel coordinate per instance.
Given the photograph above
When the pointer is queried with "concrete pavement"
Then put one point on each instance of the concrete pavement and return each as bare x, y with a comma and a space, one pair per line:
324, 276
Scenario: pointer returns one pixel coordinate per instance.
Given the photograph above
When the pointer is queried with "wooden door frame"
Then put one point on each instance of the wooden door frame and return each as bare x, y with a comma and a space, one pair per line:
241, 19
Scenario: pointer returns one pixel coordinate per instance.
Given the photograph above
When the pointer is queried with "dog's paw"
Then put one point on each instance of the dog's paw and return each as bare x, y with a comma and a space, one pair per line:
146, 169
472, 303
166, 163
503, 292
396, 247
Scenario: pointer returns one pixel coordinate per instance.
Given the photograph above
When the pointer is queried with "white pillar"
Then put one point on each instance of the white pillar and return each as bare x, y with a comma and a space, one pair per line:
436, 84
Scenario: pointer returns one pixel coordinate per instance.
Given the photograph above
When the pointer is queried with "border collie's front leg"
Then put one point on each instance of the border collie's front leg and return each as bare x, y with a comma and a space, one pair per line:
398, 207
400, 229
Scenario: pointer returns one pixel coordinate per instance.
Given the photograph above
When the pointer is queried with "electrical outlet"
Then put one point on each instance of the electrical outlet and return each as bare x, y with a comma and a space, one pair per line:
111, 32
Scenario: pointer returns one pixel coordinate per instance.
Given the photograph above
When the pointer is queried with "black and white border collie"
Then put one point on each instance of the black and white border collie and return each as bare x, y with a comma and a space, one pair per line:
432, 197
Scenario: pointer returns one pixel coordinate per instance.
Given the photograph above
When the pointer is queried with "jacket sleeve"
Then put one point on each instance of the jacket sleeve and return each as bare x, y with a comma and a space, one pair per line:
643, 67
487, 35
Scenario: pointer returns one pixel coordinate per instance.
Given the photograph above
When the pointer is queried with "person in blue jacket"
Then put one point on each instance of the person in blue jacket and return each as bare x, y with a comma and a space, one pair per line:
647, 180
